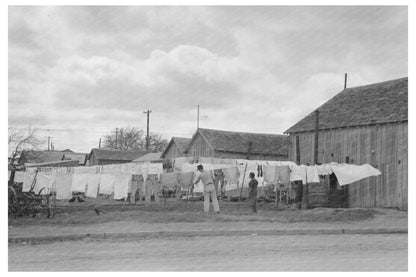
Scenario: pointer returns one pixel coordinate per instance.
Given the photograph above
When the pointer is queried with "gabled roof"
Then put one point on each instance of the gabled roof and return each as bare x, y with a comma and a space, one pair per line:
243, 142
377, 103
116, 155
181, 143
149, 157
32, 156
81, 157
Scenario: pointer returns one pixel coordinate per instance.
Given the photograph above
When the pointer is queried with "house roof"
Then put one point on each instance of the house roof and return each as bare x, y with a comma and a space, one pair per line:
81, 157
181, 143
240, 142
64, 163
377, 103
149, 157
116, 155
32, 156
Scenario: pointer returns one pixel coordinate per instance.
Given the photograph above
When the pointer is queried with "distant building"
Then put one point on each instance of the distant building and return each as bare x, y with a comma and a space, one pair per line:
238, 145
366, 124
149, 157
48, 158
81, 157
102, 156
176, 148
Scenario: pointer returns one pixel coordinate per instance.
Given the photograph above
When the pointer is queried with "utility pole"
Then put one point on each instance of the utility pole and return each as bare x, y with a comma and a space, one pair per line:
99, 144
49, 142
345, 81
197, 118
147, 134
116, 136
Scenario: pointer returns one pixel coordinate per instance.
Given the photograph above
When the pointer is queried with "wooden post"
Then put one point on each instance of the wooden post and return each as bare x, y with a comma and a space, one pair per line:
242, 185
305, 196
315, 148
297, 150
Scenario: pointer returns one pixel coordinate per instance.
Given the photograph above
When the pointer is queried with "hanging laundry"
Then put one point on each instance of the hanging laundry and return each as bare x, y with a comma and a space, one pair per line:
186, 179
349, 173
179, 161
204, 160
63, 184
324, 169
284, 174
106, 184
231, 175
312, 174
271, 174
44, 182
121, 185
155, 168
92, 185
228, 161
79, 182
28, 178
169, 180
252, 167
298, 173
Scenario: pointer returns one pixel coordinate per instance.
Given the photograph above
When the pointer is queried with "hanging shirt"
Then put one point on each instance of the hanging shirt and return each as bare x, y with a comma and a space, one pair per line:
231, 175
121, 185
44, 181
92, 185
298, 173
349, 173
169, 180
270, 174
63, 184
312, 174
284, 174
79, 182
186, 179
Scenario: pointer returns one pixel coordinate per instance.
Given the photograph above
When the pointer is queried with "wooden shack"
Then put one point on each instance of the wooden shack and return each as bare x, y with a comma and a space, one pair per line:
366, 124
238, 145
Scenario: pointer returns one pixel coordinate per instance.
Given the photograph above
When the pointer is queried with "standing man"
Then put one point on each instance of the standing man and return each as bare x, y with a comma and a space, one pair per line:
209, 189
252, 192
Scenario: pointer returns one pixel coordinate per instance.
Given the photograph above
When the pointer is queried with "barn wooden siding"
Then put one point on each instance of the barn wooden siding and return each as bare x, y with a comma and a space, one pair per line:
384, 146
200, 148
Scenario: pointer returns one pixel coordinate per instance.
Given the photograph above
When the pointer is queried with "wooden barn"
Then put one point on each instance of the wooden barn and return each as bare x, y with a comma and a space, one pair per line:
238, 145
103, 156
176, 148
366, 124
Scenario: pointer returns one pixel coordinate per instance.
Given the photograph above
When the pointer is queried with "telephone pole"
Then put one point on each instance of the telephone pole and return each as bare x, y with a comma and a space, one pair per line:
116, 136
49, 142
197, 118
147, 133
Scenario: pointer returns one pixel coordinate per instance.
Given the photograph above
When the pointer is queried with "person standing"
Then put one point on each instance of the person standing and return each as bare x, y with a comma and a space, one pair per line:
209, 189
252, 192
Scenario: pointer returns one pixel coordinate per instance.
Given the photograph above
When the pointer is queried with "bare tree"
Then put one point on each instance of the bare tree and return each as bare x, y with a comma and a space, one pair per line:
19, 140
133, 138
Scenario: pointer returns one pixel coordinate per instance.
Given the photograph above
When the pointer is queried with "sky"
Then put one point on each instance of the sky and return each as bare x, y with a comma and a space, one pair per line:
78, 72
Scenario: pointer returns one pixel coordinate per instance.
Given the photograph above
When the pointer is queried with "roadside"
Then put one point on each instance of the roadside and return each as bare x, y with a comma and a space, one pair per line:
187, 219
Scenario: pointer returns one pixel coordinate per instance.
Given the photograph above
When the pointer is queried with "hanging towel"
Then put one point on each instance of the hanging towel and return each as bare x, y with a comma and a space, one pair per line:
79, 182
270, 174
231, 175
252, 167
63, 184
186, 179
169, 180
284, 174
106, 184
204, 160
312, 174
44, 181
349, 173
155, 168
121, 185
27, 180
92, 185
298, 173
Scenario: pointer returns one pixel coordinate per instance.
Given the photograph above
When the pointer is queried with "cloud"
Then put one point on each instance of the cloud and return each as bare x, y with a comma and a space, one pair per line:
92, 69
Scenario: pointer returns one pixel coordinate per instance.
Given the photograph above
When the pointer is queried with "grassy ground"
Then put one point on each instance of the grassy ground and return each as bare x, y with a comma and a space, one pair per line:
183, 211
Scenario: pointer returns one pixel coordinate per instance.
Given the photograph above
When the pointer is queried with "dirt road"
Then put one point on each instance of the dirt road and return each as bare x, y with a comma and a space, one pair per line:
239, 253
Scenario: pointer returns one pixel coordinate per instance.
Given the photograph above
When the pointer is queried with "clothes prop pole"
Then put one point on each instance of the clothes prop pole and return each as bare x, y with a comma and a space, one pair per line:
242, 184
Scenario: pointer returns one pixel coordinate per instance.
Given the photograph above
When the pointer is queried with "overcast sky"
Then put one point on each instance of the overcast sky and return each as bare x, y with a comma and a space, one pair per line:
83, 71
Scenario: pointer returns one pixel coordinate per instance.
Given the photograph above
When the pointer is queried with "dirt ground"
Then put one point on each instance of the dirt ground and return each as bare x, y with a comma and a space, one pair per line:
218, 253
